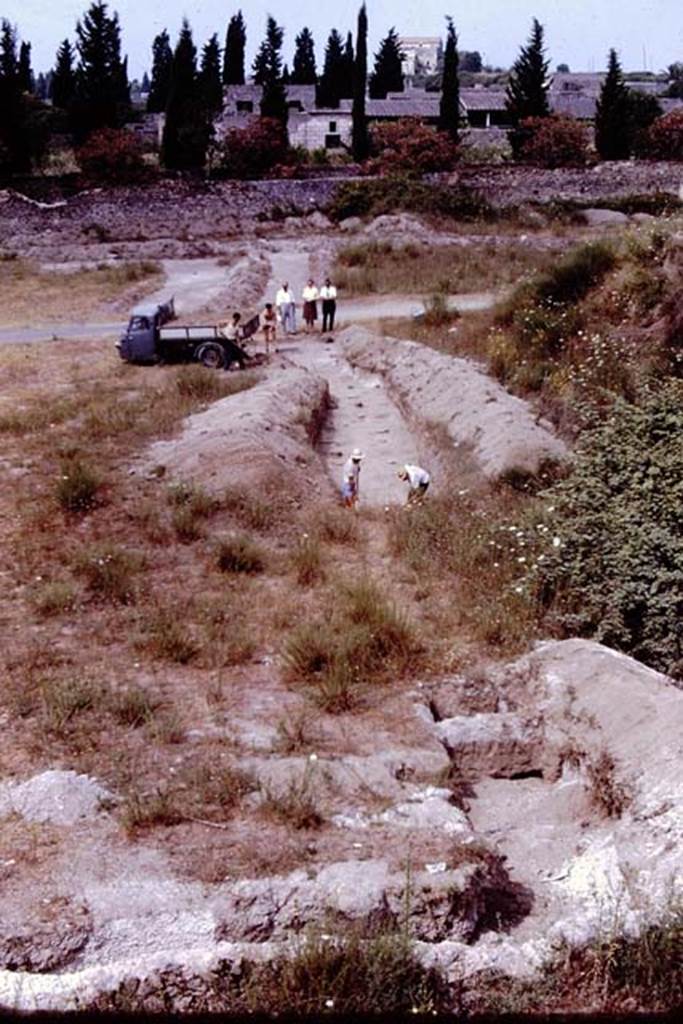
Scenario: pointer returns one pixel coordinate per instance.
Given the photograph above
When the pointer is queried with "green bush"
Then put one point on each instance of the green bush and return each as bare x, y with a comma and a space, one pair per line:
370, 198
615, 570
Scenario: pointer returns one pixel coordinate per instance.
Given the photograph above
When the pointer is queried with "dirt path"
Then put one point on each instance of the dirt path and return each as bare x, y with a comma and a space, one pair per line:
363, 415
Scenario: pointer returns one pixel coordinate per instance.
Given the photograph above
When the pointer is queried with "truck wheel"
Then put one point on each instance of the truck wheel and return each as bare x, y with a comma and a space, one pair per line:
211, 355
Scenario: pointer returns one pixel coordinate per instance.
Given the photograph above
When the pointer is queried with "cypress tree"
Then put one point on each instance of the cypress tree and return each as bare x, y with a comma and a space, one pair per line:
42, 86
11, 121
210, 77
268, 73
359, 132
186, 129
26, 80
612, 114
347, 88
63, 85
102, 93
449, 107
333, 78
162, 59
233, 58
145, 83
527, 92
387, 75
303, 69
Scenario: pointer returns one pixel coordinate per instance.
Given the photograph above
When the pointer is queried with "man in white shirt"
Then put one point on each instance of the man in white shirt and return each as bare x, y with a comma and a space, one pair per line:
286, 307
418, 479
351, 478
328, 294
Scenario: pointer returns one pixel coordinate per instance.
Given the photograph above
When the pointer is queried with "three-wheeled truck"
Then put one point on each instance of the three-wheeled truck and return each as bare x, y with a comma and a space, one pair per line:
147, 339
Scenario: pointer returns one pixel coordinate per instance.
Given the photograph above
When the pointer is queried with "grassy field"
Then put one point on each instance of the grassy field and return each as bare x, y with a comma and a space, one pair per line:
30, 295
379, 267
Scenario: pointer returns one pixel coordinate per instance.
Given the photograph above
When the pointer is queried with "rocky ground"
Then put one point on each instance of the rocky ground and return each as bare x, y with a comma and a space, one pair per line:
504, 811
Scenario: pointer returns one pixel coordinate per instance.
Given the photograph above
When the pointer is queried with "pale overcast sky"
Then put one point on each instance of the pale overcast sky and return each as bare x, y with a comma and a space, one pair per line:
645, 32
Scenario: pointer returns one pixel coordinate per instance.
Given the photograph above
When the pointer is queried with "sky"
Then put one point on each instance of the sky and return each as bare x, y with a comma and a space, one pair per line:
646, 33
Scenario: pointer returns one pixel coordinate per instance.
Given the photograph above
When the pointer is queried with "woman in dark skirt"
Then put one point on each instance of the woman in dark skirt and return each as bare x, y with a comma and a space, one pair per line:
310, 297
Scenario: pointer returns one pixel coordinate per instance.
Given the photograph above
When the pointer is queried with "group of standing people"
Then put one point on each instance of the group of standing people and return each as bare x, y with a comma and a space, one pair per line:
285, 304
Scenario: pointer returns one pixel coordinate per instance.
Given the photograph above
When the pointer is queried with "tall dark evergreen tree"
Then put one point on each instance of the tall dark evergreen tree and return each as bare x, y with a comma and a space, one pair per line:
162, 59
333, 79
387, 75
267, 69
527, 92
42, 86
63, 85
102, 92
449, 107
613, 134
303, 69
233, 58
210, 76
23, 132
145, 83
187, 127
26, 80
360, 142
349, 57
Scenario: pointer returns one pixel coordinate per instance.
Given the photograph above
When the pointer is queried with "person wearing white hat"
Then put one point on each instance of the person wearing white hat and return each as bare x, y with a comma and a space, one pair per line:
418, 479
351, 478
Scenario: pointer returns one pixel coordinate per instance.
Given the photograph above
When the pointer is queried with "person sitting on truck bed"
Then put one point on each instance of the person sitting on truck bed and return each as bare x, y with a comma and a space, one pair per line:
231, 331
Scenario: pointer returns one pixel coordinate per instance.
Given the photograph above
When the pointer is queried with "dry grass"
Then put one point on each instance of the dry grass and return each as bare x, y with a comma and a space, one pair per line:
378, 267
78, 295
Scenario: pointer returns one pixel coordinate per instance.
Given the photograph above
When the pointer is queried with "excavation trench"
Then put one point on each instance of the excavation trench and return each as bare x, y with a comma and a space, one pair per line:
362, 414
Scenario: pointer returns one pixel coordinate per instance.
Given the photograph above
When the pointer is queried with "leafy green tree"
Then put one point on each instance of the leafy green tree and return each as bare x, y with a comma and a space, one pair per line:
387, 75
26, 80
187, 127
267, 69
102, 94
333, 78
449, 107
675, 90
613, 134
644, 109
233, 57
347, 89
470, 61
303, 69
527, 92
360, 142
63, 83
162, 59
210, 86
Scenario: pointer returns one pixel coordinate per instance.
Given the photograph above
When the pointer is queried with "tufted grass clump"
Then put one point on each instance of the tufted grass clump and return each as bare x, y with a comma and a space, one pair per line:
362, 642
359, 969
78, 486
109, 572
240, 555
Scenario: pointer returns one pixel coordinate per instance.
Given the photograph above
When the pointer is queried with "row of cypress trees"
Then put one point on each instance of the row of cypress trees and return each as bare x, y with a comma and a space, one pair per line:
621, 115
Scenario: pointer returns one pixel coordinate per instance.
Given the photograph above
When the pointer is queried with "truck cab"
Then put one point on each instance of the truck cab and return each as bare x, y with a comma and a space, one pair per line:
139, 343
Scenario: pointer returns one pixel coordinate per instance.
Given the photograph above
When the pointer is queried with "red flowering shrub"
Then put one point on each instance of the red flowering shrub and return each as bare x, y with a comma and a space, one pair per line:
408, 147
552, 141
112, 156
252, 151
665, 137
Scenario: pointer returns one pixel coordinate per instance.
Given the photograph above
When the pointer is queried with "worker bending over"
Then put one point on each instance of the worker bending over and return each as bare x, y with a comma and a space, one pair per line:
418, 478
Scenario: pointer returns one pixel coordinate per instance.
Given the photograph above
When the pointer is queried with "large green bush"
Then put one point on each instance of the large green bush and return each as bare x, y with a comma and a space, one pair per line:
615, 568
376, 196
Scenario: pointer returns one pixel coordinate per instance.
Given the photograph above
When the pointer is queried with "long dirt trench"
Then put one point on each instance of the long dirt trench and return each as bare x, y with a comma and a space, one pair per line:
363, 415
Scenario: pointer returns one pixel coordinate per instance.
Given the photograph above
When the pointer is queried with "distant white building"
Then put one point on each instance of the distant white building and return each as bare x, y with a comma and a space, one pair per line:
421, 55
